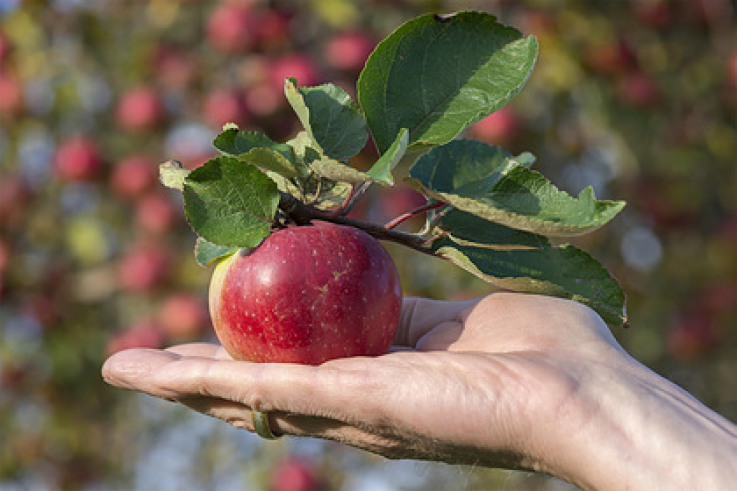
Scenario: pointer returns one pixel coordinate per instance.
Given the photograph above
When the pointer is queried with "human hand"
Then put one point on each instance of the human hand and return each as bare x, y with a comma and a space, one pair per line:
510, 380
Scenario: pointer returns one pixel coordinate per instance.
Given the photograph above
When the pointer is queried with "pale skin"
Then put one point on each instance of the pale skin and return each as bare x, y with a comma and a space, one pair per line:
510, 380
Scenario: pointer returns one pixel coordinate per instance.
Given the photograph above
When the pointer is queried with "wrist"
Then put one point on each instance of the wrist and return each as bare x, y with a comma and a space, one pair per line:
629, 428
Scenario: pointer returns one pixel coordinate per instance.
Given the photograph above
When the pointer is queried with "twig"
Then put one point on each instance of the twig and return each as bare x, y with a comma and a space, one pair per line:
303, 214
406, 216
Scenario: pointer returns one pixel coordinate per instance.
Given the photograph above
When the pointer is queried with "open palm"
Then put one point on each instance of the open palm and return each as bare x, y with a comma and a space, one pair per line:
466, 382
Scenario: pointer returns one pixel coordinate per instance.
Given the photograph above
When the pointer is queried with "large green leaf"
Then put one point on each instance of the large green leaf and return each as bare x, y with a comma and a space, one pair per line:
486, 181
467, 229
330, 117
230, 203
563, 271
436, 75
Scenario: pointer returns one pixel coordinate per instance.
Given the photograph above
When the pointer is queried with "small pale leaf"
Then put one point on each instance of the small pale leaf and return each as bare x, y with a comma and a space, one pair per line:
172, 174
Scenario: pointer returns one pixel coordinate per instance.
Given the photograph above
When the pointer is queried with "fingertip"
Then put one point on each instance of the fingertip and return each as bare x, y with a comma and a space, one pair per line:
124, 368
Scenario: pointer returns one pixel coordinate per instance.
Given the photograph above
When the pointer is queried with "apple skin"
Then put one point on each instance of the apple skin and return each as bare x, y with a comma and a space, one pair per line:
307, 295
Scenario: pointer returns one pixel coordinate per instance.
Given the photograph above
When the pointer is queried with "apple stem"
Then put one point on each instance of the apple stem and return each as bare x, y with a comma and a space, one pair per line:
303, 214
406, 216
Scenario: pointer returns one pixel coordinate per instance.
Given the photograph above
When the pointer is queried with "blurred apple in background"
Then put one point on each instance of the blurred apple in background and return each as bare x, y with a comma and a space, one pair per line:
638, 89
225, 105
611, 58
143, 267
174, 66
156, 212
297, 65
295, 474
349, 50
732, 68
11, 94
183, 317
271, 28
78, 159
692, 336
15, 196
657, 14
133, 175
230, 28
140, 108
6, 48
141, 334
499, 128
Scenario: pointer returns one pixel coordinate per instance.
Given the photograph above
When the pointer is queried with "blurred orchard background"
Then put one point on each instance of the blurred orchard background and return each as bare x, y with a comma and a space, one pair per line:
636, 98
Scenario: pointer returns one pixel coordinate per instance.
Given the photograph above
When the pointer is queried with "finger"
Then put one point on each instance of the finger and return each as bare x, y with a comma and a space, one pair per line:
131, 368
421, 315
323, 391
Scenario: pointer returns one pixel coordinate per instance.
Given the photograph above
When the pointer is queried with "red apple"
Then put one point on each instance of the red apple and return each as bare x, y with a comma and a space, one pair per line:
133, 176
15, 196
225, 105
297, 65
307, 295
656, 14
294, 475
174, 66
230, 27
6, 47
271, 28
500, 127
732, 68
611, 58
156, 213
638, 89
139, 109
141, 334
183, 316
78, 159
143, 268
264, 99
11, 94
692, 336
349, 50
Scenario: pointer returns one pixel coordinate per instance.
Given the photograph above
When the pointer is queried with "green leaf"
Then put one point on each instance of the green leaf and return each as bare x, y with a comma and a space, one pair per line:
467, 229
230, 203
172, 174
381, 171
436, 75
563, 271
337, 171
207, 254
486, 181
270, 160
259, 150
234, 142
330, 117
468, 168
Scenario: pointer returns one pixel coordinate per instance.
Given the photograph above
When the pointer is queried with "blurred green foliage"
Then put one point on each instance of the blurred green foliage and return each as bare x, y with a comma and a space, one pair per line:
636, 98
